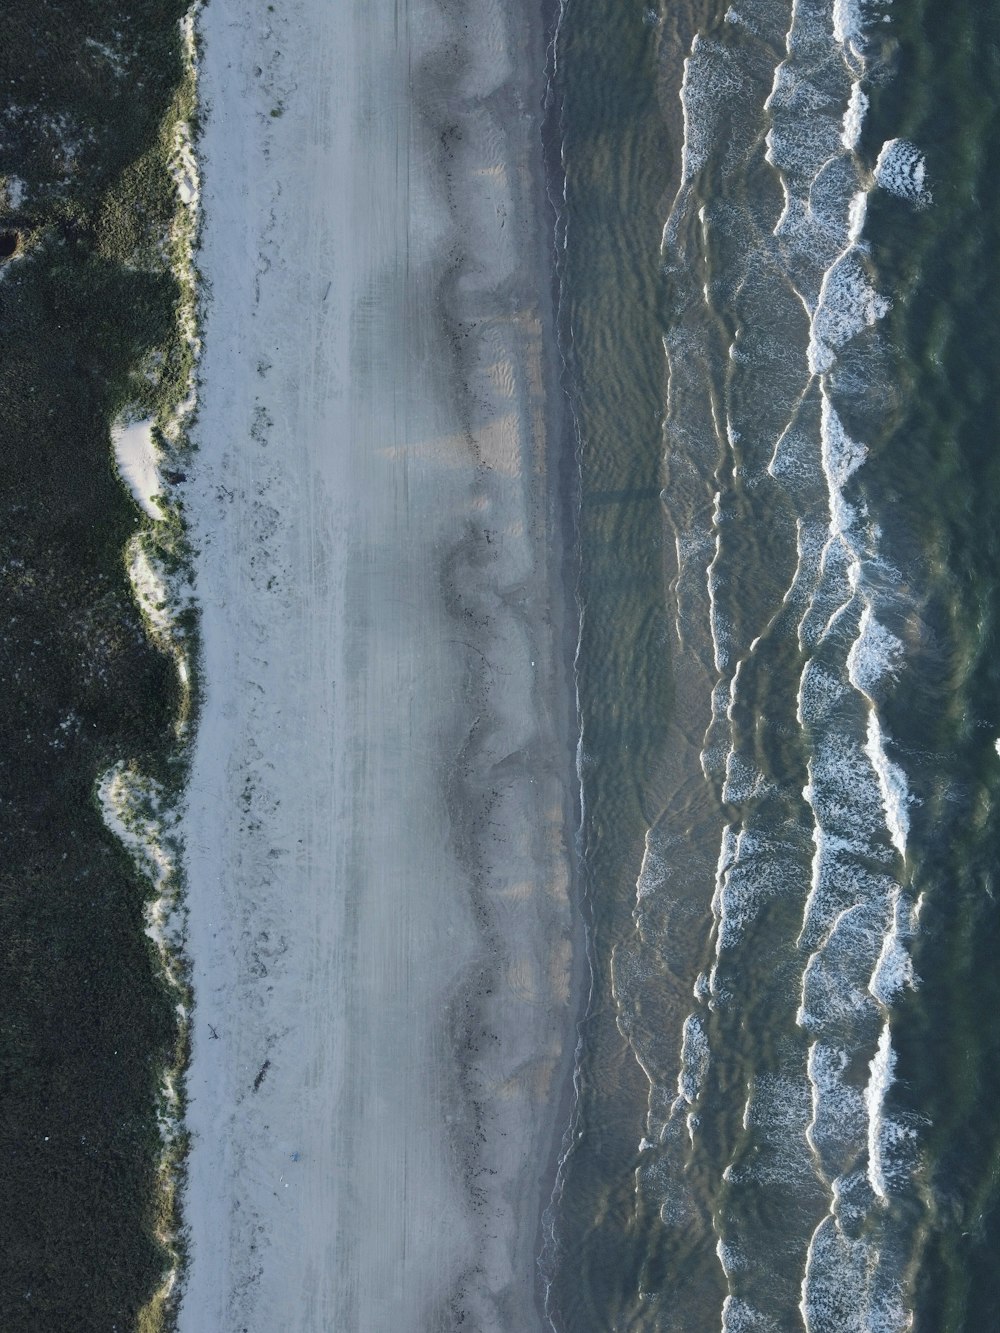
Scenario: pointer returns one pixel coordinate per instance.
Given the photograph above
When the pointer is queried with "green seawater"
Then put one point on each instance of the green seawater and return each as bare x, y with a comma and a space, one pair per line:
788, 1076
938, 486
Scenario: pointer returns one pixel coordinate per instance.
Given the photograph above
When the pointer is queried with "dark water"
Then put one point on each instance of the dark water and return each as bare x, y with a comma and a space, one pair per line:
780, 320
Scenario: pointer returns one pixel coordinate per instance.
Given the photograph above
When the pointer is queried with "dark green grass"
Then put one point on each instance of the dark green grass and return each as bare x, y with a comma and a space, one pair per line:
86, 1022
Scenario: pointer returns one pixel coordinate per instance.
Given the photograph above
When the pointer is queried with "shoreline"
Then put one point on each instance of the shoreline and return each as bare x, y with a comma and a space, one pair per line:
564, 449
382, 924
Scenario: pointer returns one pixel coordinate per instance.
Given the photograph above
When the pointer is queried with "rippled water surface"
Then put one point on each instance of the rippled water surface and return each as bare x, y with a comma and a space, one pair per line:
780, 317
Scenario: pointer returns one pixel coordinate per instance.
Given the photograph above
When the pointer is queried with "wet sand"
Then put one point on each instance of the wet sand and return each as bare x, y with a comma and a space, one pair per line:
380, 812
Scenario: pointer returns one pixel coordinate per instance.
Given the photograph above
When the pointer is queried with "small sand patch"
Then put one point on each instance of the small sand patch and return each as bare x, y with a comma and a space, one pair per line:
138, 463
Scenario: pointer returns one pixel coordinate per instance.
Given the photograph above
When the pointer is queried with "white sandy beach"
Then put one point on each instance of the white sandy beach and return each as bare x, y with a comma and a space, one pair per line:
379, 812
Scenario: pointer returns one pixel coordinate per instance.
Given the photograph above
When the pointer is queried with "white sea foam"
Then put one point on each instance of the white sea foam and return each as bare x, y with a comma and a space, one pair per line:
902, 171
841, 455
833, 196
740, 1317
794, 457
835, 578
776, 1114
744, 890
848, 303
876, 656
856, 217
844, 793
856, 918
853, 1197
727, 855
820, 691
695, 1057
719, 622
847, 818
747, 21
654, 871
717, 743
692, 549
854, 117
662, 1175
848, 23
896, 798
844, 1289
804, 135
754, 874
810, 142
835, 996
792, 215
894, 968
711, 76
729, 1256
810, 542
882, 1069
838, 1110
743, 780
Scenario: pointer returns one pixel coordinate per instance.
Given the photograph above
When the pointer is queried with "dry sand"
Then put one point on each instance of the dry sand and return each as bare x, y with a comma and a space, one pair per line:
379, 818
138, 463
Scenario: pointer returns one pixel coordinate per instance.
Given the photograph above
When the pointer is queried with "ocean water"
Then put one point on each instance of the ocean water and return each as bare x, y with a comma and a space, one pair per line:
780, 315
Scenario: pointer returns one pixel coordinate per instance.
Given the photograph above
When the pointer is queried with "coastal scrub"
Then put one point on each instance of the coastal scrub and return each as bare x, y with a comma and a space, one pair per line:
96, 323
